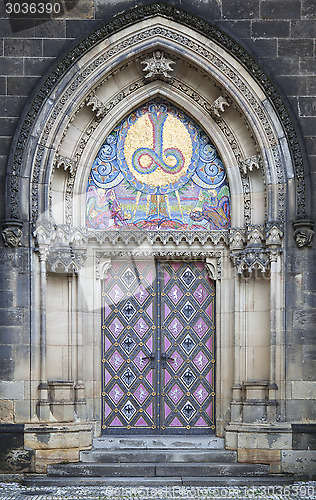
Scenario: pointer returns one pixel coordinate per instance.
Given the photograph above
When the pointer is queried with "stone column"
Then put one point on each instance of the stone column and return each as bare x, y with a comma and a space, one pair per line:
273, 243
43, 403
236, 405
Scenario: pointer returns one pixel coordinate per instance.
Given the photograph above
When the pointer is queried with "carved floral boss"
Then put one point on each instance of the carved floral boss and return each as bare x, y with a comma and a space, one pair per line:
158, 170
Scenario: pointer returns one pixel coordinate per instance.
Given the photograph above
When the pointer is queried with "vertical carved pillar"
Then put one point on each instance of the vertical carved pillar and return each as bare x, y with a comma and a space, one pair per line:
43, 403
80, 396
273, 241
236, 405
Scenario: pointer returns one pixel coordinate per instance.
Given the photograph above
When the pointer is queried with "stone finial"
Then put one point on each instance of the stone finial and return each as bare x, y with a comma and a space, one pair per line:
274, 236
236, 239
218, 106
12, 233
157, 65
255, 237
303, 232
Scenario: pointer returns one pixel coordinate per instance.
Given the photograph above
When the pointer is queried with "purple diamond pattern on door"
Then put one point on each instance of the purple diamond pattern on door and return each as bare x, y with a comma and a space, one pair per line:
175, 327
187, 336
175, 294
129, 379
170, 390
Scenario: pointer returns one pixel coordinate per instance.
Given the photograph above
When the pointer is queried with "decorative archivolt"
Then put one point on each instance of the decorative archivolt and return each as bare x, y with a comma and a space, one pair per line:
212, 50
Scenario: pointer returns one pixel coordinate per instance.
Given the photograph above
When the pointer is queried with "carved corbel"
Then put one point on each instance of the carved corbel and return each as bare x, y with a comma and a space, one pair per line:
218, 106
66, 260
157, 65
12, 233
211, 267
65, 163
303, 232
250, 164
43, 234
251, 261
102, 266
95, 104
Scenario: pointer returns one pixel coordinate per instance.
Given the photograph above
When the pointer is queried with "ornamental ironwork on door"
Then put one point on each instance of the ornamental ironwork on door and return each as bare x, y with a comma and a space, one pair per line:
158, 341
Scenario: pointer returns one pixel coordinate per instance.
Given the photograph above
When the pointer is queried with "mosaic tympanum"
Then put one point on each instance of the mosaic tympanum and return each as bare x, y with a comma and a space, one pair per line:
158, 170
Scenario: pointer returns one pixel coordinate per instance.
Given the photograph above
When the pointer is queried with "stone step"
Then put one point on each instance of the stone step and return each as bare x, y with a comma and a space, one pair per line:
157, 470
151, 482
158, 456
160, 442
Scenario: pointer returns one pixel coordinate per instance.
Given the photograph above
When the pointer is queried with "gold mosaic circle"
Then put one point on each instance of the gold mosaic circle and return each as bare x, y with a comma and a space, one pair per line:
188, 427
213, 361
116, 310
188, 327
103, 294
116, 410
128, 361
200, 276
103, 327
103, 360
128, 426
188, 394
115, 343
212, 393
141, 377
153, 427
103, 426
176, 377
103, 393
140, 410
213, 427
116, 377
163, 427
141, 343
128, 327
188, 361
128, 393
188, 294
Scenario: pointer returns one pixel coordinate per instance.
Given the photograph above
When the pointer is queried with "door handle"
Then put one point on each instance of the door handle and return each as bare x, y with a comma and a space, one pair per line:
151, 358
165, 358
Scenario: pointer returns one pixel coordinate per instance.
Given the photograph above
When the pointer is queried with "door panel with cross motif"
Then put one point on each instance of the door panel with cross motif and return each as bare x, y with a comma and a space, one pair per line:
157, 348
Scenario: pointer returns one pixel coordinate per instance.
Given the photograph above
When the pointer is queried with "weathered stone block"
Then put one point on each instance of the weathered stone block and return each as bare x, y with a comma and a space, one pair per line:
307, 106
262, 456
28, 47
299, 462
308, 66
21, 86
282, 9
303, 390
301, 48
308, 9
52, 47
270, 29
37, 66
13, 456
304, 436
11, 67
6, 412
43, 458
238, 9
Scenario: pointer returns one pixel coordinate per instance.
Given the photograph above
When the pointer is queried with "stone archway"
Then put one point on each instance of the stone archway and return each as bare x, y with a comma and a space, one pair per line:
83, 99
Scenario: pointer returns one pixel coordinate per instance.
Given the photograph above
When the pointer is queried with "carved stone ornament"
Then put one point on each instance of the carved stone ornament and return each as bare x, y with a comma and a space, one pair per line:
251, 261
12, 233
65, 260
95, 104
218, 106
274, 236
157, 65
250, 164
236, 239
303, 232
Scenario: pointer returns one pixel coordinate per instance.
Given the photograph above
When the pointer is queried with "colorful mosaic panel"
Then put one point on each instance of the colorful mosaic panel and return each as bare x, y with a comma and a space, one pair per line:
157, 170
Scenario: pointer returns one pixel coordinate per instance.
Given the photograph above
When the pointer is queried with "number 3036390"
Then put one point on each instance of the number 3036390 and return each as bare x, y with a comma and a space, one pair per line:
33, 8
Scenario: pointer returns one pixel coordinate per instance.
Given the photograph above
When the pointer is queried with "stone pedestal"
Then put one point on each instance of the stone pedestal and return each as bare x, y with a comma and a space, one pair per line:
56, 443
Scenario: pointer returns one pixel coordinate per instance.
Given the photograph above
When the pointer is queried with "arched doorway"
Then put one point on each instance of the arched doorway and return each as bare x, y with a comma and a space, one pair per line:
200, 71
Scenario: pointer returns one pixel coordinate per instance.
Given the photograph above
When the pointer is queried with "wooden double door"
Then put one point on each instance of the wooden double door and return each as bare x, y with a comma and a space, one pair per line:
158, 348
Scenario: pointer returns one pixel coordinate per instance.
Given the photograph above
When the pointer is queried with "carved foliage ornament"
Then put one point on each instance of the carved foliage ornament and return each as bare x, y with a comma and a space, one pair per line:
157, 65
